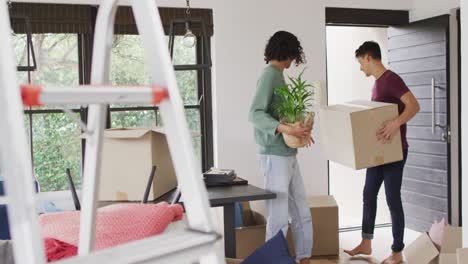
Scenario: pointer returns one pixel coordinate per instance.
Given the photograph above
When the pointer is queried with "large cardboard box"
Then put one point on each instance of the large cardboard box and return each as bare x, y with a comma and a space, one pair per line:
421, 251
324, 211
348, 134
251, 235
451, 241
127, 158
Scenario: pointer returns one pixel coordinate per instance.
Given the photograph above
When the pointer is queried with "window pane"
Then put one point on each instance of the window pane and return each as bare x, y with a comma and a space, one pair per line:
56, 57
127, 63
193, 120
187, 82
57, 146
133, 119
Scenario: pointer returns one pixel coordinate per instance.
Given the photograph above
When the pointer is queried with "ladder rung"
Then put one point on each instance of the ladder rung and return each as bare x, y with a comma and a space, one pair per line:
171, 247
34, 95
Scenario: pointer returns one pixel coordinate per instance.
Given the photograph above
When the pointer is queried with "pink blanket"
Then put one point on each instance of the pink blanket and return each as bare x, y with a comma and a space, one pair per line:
115, 224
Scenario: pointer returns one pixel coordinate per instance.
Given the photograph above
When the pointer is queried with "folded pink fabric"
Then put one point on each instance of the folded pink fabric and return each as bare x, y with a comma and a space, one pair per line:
115, 224
57, 250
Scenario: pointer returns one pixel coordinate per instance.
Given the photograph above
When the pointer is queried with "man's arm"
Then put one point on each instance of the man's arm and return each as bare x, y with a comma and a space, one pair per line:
391, 127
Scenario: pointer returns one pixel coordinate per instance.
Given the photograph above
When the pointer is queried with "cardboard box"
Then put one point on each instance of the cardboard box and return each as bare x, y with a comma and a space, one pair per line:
233, 261
421, 251
348, 133
252, 235
127, 158
324, 211
462, 255
451, 241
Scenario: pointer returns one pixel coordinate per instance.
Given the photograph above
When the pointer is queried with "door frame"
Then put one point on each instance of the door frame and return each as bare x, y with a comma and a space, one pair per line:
386, 18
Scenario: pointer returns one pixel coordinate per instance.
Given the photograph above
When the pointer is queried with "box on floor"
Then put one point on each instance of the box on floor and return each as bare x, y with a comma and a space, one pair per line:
348, 134
127, 159
462, 255
423, 250
324, 212
233, 261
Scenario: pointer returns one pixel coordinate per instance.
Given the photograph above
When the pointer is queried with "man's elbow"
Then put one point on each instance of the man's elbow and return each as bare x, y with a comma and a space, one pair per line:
417, 107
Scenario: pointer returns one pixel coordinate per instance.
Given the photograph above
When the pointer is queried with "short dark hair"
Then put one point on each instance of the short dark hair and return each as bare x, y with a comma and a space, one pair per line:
370, 48
282, 46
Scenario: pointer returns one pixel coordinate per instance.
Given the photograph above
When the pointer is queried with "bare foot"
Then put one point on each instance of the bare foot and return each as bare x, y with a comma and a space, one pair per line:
395, 258
304, 261
365, 248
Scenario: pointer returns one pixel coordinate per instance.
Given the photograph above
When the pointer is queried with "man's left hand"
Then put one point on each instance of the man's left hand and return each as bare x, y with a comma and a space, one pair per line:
389, 129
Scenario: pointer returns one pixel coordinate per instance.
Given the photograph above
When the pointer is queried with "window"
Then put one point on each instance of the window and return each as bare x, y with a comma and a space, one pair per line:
127, 67
53, 137
63, 59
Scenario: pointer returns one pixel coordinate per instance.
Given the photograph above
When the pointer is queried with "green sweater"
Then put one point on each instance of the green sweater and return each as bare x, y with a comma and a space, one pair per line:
262, 117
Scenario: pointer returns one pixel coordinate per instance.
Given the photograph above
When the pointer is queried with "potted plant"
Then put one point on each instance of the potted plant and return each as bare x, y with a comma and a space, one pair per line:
293, 107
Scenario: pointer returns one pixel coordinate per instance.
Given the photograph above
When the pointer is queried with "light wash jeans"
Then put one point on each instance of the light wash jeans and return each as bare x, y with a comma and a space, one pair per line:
283, 177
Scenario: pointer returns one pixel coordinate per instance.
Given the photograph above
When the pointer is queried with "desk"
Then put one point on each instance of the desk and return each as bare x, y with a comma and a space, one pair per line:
226, 197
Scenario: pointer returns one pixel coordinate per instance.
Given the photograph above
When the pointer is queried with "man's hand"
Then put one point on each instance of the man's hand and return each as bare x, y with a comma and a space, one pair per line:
388, 130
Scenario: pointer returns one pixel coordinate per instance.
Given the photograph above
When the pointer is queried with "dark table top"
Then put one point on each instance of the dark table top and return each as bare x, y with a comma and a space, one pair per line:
220, 196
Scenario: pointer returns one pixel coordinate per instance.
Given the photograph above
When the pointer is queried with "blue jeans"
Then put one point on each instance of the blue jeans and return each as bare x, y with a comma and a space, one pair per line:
392, 175
283, 177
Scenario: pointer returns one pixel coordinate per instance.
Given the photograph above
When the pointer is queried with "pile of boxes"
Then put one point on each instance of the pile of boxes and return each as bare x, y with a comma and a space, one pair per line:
424, 251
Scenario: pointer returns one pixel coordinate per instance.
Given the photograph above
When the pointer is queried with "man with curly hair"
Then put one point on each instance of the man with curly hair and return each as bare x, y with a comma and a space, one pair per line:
278, 161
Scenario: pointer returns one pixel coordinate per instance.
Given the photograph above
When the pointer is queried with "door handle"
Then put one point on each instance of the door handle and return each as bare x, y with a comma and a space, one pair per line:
433, 107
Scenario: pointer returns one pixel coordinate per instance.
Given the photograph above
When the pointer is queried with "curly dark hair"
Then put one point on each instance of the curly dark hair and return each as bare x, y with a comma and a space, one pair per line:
282, 46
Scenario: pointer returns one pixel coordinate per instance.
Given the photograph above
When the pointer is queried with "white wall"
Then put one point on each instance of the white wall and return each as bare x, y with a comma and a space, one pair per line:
429, 8
241, 29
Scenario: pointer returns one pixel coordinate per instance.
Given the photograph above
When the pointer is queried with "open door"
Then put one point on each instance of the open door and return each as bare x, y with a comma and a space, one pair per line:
419, 53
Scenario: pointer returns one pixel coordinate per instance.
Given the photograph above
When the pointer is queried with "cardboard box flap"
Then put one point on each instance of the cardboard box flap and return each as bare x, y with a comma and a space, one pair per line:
258, 218
452, 240
356, 106
422, 250
322, 201
345, 108
368, 104
125, 133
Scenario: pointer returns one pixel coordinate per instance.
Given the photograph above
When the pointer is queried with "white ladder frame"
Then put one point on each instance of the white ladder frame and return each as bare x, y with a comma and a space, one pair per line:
199, 240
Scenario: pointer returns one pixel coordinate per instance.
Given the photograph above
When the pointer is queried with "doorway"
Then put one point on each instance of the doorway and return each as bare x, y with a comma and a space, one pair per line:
419, 53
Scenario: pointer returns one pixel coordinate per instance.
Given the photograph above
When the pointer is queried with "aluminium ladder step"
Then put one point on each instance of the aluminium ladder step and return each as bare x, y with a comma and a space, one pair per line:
35, 95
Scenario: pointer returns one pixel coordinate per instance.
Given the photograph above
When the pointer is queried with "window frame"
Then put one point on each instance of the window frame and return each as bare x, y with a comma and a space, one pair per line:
204, 85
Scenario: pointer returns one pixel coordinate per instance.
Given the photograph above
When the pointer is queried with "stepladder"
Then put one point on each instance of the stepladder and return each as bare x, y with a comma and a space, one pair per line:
196, 242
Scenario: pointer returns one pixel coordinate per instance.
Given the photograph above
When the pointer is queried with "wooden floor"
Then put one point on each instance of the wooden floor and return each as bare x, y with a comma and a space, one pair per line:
343, 258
